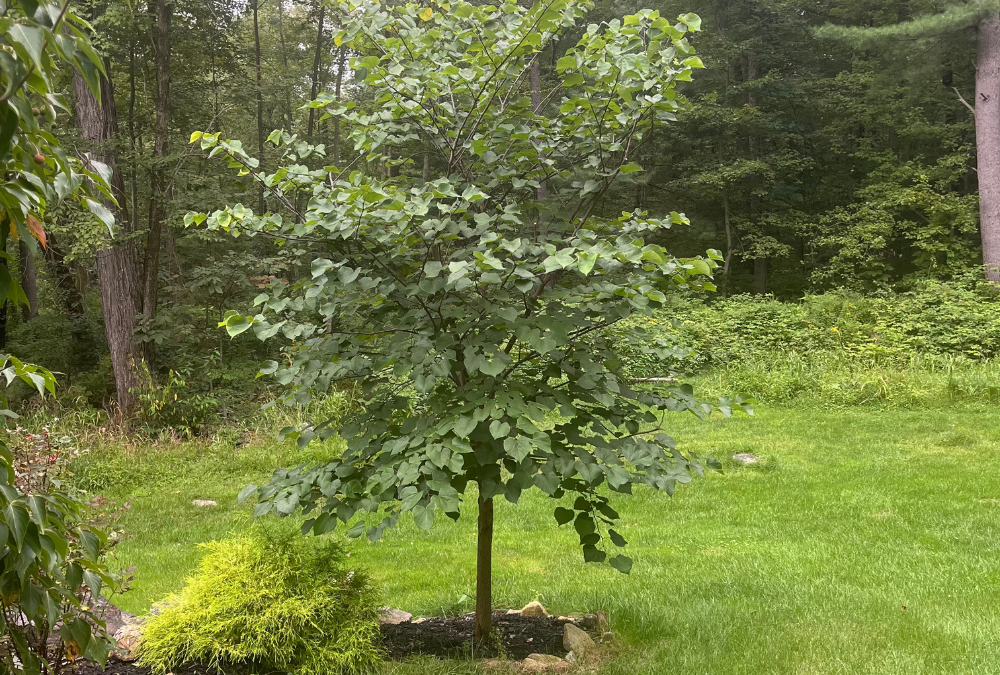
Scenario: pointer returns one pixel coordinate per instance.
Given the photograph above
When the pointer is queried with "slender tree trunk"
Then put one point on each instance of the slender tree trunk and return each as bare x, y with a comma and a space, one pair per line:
988, 142
117, 262
484, 570
535, 80
760, 276
426, 175
341, 61
260, 103
29, 281
284, 63
134, 163
158, 192
317, 64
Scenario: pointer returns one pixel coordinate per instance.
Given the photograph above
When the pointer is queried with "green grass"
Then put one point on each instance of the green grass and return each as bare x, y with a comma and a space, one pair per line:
865, 542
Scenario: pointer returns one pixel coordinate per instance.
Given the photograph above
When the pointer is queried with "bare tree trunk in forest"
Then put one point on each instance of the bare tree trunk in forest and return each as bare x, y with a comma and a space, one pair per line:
29, 281
284, 63
317, 63
134, 163
759, 264
535, 79
341, 60
988, 142
426, 175
158, 193
117, 263
260, 103
484, 571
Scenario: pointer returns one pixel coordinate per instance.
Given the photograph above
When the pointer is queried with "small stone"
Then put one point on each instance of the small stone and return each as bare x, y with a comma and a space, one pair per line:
577, 641
608, 636
513, 612
543, 663
393, 617
533, 608
543, 658
746, 458
601, 626
420, 620
589, 621
204, 502
126, 640
571, 657
563, 619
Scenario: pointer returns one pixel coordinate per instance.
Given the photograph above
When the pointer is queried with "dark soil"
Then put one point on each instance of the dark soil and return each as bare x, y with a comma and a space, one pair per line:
514, 637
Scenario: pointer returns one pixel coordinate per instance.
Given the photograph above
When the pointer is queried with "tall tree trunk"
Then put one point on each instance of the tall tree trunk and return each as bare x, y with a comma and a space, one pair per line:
134, 163
988, 142
158, 193
29, 281
117, 263
484, 570
284, 63
760, 276
81, 347
260, 103
341, 62
317, 64
535, 80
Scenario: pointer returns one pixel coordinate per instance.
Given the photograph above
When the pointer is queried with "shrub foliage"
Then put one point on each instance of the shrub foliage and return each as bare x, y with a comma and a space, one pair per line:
283, 605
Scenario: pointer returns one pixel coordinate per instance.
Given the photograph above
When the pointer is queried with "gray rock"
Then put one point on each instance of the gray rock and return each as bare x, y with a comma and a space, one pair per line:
204, 502
601, 625
394, 616
746, 458
577, 641
533, 608
543, 658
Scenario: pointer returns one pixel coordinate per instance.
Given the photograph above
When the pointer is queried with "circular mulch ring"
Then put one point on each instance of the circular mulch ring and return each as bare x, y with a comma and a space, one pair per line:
514, 637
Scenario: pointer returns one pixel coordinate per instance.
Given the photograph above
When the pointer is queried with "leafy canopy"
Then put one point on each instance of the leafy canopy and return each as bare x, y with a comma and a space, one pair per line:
474, 315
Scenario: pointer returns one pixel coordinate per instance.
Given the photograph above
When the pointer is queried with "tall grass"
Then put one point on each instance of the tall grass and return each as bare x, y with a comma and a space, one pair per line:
836, 378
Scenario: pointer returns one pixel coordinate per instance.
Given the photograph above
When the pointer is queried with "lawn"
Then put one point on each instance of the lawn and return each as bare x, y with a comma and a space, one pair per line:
866, 541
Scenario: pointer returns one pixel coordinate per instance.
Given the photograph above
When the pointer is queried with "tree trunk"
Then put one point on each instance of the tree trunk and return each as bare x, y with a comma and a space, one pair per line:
134, 163
284, 63
29, 281
760, 276
317, 63
484, 570
260, 104
341, 61
535, 78
988, 142
117, 271
158, 192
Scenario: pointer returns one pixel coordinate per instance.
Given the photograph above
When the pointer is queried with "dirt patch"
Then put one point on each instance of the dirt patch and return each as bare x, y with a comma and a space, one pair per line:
514, 637
119, 668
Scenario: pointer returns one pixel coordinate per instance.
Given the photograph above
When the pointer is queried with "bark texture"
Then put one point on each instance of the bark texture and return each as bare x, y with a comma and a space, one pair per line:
317, 65
260, 104
158, 192
117, 269
484, 571
29, 281
988, 142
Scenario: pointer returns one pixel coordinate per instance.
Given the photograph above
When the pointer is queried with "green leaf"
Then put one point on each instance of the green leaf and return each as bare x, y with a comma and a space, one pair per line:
464, 426
564, 515
423, 516
621, 563
499, 429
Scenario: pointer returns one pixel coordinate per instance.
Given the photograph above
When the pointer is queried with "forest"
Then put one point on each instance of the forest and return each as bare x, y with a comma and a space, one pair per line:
290, 287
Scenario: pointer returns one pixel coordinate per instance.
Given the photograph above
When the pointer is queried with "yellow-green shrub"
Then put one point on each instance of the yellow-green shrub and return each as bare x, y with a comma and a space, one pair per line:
287, 605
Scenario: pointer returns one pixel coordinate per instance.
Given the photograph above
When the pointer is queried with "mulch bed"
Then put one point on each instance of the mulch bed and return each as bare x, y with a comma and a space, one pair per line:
514, 637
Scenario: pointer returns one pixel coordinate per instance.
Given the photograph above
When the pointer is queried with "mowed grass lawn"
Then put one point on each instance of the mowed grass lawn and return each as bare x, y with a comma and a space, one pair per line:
866, 541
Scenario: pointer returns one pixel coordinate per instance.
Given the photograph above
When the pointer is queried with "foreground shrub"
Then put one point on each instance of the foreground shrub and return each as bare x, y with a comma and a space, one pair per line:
281, 605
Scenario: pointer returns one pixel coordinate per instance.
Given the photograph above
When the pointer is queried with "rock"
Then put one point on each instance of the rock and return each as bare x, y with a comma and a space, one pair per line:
126, 640
204, 502
577, 641
589, 621
601, 625
607, 636
533, 608
571, 657
543, 663
746, 458
420, 620
563, 619
393, 617
513, 612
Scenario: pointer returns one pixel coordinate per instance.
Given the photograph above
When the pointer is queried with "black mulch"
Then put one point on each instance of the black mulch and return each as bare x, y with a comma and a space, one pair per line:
514, 637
